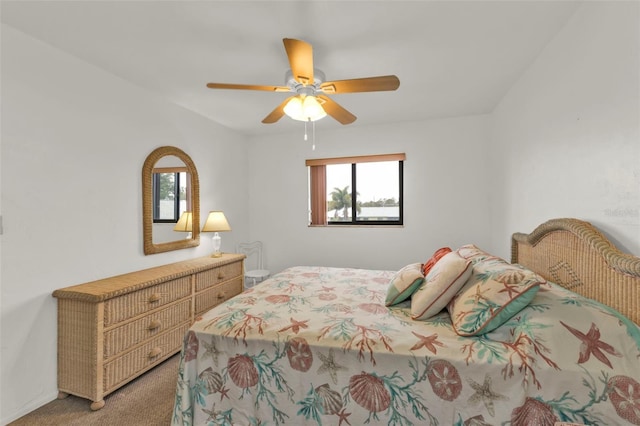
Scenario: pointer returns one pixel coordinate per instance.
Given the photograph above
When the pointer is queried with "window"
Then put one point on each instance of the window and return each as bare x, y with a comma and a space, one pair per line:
170, 195
364, 190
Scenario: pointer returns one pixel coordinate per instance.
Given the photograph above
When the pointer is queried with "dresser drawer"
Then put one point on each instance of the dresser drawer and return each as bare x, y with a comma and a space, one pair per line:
138, 302
122, 369
206, 279
123, 337
216, 295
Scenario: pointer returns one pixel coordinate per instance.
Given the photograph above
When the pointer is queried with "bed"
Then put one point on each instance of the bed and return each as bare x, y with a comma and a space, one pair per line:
340, 346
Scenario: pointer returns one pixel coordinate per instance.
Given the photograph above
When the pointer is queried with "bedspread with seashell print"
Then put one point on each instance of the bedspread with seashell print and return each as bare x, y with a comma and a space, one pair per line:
317, 346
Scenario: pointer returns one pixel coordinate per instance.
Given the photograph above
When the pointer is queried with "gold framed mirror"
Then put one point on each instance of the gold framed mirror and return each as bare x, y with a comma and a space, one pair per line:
151, 165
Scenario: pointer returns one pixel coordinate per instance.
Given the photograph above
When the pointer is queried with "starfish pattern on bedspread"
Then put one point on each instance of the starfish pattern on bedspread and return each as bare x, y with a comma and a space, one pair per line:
485, 394
330, 365
591, 344
428, 342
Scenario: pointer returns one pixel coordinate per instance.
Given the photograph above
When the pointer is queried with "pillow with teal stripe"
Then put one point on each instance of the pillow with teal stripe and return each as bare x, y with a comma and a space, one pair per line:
404, 283
495, 292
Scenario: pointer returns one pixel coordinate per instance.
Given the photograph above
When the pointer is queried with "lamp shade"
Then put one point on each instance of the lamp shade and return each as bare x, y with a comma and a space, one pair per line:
216, 222
184, 224
304, 108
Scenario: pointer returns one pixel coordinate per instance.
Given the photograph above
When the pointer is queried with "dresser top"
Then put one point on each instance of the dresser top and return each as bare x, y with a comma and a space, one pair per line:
107, 288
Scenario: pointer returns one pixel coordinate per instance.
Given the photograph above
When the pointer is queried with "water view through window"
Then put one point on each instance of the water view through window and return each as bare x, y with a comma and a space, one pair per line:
369, 191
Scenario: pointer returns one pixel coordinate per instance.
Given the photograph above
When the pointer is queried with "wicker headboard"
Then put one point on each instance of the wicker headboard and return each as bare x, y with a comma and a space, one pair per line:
575, 255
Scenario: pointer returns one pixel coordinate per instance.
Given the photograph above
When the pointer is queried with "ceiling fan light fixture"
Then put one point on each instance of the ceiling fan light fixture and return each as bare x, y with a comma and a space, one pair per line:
304, 108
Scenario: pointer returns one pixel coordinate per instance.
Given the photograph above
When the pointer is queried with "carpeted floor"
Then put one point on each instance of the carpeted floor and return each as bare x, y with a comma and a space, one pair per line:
146, 401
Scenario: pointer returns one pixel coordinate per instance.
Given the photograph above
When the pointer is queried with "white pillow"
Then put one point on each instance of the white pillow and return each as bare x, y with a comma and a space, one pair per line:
443, 281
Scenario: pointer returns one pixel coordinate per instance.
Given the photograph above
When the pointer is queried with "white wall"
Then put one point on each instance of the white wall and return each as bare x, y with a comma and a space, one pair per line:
445, 202
74, 140
567, 136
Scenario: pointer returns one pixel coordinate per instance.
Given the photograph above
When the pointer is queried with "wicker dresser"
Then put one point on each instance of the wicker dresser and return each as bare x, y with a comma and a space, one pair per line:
112, 330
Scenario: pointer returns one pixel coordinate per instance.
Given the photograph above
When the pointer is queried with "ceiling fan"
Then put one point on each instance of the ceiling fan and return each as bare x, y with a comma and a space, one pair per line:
309, 84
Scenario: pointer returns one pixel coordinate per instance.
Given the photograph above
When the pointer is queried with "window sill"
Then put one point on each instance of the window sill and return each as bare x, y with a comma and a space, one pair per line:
355, 226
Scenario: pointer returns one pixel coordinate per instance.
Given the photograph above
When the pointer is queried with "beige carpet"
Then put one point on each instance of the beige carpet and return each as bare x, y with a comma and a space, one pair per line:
146, 401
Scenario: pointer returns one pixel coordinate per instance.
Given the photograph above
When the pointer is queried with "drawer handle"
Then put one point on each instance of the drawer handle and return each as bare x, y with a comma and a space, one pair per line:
154, 298
155, 352
221, 295
220, 275
154, 324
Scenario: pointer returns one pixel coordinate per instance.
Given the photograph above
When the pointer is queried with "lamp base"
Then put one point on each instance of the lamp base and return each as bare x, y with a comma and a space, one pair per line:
216, 241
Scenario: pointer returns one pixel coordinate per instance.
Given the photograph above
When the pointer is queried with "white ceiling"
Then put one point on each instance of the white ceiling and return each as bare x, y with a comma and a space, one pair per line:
453, 58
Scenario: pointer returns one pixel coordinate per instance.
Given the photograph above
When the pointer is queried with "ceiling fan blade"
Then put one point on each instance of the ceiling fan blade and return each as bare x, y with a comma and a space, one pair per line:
247, 87
336, 111
300, 55
368, 84
277, 113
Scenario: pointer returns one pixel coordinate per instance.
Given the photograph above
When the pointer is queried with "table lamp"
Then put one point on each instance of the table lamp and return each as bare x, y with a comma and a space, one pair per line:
184, 224
216, 222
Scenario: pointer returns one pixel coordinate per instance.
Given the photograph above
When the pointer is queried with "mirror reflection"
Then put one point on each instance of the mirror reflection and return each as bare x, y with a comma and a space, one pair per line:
170, 201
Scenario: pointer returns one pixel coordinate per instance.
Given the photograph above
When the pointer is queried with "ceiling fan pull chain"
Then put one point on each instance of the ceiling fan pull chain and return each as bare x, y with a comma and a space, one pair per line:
313, 135
305, 130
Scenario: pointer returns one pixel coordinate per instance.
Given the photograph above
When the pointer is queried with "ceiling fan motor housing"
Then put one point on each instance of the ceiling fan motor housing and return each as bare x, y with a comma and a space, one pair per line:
305, 89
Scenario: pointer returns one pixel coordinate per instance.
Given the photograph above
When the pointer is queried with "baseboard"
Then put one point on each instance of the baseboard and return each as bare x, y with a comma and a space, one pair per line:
33, 405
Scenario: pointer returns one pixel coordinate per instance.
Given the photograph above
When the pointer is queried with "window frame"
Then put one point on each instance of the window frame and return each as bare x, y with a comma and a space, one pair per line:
318, 190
